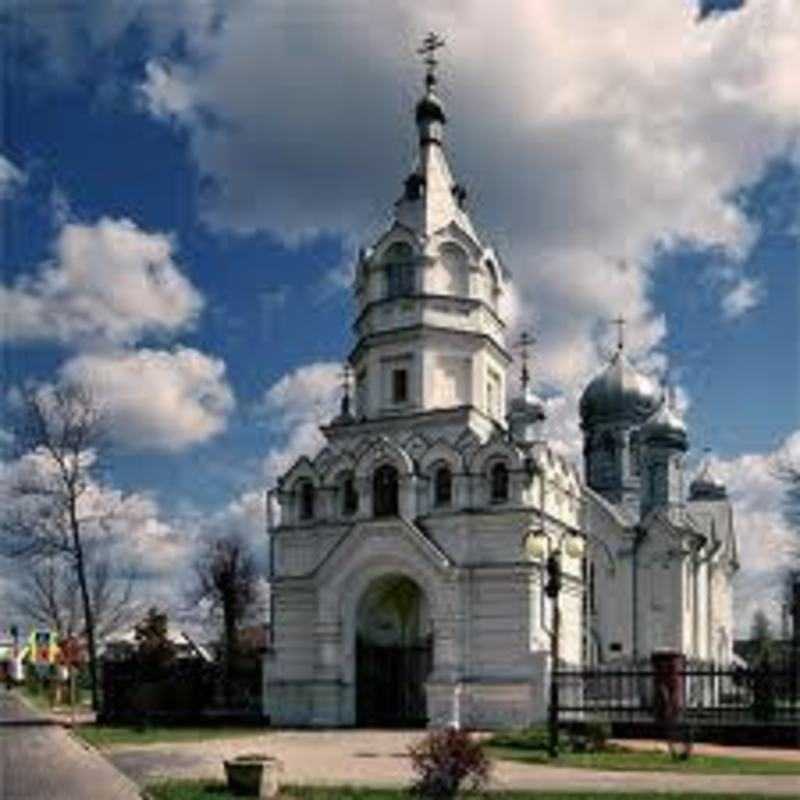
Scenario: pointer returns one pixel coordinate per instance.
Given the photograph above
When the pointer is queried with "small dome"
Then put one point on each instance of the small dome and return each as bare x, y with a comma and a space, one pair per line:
665, 427
528, 404
620, 391
707, 485
430, 108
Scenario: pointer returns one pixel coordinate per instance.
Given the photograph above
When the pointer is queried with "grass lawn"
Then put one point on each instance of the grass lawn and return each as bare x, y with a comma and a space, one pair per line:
118, 735
209, 790
530, 746
652, 761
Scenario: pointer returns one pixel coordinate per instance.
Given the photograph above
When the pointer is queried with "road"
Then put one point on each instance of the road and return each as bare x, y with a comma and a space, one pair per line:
39, 760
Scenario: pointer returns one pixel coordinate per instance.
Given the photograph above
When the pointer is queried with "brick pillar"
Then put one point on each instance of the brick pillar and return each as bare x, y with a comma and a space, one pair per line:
668, 685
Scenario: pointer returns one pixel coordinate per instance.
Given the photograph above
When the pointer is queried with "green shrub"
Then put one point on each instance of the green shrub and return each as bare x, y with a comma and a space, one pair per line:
445, 760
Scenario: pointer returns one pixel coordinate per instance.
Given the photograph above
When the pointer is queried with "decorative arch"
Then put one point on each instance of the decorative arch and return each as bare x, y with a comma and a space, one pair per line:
302, 469
495, 450
442, 450
339, 600
344, 462
384, 450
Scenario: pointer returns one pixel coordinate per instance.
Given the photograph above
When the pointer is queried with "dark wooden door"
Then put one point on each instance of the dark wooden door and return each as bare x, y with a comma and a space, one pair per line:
390, 684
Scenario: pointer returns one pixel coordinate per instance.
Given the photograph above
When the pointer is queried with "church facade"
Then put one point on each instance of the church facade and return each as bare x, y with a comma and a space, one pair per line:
402, 588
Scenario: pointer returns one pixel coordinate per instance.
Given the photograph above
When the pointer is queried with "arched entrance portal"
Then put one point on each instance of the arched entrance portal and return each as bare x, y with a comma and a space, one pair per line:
394, 653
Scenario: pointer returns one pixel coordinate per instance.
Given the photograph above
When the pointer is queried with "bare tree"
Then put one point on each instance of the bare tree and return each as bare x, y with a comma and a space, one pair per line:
226, 577
51, 507
48, 594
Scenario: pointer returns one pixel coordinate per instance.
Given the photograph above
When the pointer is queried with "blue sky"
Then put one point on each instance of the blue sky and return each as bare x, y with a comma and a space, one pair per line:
635, 160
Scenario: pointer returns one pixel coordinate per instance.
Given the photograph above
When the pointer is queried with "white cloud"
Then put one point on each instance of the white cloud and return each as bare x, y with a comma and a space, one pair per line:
767, 544
742, 297
108, 281
165, 93
130, 528
296, 405
604, 132
157, 399
10, 177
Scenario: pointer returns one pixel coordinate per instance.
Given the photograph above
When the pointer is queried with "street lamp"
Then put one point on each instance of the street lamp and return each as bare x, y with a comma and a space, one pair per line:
539, 544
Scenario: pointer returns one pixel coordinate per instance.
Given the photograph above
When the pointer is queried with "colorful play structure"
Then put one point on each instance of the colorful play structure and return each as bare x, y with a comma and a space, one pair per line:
40, 650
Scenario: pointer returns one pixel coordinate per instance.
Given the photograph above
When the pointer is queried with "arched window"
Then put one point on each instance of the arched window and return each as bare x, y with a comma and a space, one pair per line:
399, 261
306, 500
385, 491
349, 495
443, 486
455, 270
499, 481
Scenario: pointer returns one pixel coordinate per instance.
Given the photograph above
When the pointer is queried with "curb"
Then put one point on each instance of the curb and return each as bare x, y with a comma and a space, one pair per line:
90, 748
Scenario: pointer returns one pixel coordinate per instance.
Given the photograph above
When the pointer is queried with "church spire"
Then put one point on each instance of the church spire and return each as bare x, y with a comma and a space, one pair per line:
432, 198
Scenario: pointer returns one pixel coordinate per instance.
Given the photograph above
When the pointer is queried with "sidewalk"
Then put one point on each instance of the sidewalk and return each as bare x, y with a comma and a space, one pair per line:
39, 759
378, 759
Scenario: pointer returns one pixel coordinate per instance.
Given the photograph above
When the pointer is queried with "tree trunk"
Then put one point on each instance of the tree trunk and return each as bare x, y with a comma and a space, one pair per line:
230, 652
88, 614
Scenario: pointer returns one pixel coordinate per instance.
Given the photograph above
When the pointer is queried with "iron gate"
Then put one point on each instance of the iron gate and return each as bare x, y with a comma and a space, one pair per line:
390, 684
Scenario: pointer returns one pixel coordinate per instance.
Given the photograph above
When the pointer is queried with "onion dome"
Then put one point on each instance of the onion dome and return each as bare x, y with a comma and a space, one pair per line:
619, 392
430, 108
707, 485
666, 428
529, 404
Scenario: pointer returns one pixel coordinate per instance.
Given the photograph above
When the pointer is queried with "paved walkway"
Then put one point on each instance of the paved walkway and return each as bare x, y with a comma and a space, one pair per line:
39, 760
377, 758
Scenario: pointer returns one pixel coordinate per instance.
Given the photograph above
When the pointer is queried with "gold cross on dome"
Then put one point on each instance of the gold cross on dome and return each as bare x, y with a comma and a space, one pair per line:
430, 44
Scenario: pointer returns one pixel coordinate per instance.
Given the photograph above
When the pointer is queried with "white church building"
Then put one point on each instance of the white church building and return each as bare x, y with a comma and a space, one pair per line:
402, 588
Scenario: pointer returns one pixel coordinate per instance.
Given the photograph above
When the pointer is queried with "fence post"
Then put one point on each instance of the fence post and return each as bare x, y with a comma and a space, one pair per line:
669, 694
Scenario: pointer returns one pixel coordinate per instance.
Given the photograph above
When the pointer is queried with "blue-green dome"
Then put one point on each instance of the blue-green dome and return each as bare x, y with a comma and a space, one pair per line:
619, 392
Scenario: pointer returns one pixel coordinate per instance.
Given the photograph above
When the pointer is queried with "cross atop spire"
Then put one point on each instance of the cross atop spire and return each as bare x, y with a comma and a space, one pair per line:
620, 322
346, 375
523, 345
430, 44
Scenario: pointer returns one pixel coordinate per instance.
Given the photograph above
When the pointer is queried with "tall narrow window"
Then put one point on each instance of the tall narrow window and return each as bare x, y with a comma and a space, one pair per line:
499, 482
306, 500
399, 385
385, 491
349, 496
443, 487
399, 270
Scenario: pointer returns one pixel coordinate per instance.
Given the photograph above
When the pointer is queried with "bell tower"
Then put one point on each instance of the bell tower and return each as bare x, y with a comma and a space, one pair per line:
430, 337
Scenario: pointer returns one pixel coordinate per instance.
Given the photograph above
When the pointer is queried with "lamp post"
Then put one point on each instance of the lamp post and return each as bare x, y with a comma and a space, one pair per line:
540, 544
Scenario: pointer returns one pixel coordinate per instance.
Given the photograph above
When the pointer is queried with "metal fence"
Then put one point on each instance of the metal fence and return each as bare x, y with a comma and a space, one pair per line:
704, 694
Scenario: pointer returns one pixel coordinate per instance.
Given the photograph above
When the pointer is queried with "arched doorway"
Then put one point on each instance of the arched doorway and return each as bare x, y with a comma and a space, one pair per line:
394, 653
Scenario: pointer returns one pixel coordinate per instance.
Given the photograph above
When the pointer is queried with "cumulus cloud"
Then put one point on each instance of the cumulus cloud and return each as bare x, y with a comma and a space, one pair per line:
295, 406
157, 399
109, 281
767, 544
129, 528
165, 93
742, 297
10, 177
605, 134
